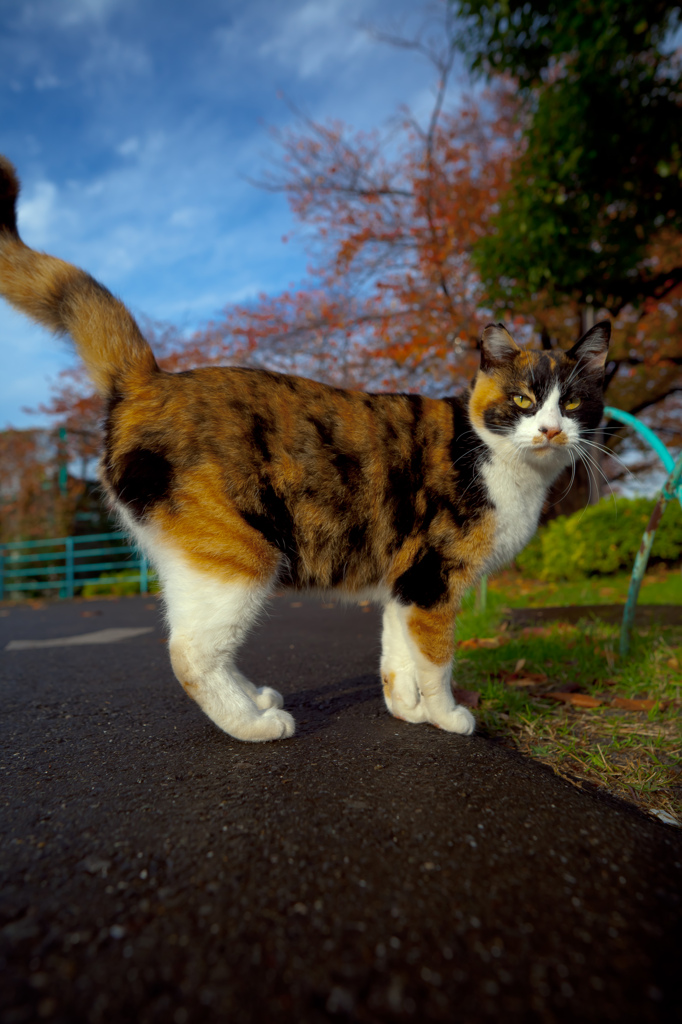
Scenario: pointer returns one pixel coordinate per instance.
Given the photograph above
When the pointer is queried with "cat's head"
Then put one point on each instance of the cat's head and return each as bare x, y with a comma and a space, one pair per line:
538, 405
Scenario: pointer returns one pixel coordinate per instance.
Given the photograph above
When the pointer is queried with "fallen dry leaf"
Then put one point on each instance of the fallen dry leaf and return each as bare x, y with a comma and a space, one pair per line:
520, 678
560, 627
632, 704
480, 641
524, 678
469, 698
579, 700
673, 662
532, 680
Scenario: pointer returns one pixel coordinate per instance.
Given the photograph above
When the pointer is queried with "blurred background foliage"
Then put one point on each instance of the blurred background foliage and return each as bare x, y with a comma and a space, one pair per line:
600, 540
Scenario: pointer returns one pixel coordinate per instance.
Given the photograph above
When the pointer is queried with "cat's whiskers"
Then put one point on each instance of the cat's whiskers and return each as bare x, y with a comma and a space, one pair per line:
570, 482
595, 462
590, 465
607, 451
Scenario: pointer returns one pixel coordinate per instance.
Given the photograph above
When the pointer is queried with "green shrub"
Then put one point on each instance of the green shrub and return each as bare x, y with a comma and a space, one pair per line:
119, 583
600, 540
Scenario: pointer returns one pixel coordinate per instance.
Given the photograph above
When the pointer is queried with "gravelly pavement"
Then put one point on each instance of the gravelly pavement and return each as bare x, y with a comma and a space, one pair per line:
155, 870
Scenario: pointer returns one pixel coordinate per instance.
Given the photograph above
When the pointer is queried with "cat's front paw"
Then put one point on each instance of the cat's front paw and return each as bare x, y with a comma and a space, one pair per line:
458, 720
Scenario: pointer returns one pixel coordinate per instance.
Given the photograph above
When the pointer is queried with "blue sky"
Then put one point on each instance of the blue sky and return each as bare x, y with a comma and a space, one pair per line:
136, 125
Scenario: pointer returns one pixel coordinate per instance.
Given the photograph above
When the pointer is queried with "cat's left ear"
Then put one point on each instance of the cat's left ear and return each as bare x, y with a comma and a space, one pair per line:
592, 348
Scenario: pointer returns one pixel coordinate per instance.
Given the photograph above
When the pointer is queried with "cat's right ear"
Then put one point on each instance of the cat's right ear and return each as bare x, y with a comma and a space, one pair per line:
497, 347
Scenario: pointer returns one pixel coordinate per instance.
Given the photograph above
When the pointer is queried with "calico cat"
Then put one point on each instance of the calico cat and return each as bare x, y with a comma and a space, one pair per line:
236, 481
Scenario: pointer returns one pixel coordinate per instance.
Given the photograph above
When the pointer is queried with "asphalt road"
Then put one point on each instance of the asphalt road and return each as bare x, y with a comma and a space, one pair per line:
155, 870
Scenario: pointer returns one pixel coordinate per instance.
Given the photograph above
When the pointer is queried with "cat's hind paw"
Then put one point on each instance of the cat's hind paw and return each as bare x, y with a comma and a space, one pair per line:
271, 724
266, 697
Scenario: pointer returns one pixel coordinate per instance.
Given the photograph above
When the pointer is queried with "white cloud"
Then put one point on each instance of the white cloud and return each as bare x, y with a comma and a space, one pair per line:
129, 147
113, 59
31, 357
314, 35
36, 212
64, 13
46, 81
187, 217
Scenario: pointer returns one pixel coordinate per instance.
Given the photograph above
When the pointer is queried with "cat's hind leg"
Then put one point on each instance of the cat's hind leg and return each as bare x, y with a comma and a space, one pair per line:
262, 696
209, 618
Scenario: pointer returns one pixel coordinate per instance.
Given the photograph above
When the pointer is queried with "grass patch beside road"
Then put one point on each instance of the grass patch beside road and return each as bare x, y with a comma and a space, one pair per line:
659, 586
632, 750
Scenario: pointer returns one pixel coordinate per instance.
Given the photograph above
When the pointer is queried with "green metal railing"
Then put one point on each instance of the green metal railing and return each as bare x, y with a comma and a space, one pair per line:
671, 489
66, 564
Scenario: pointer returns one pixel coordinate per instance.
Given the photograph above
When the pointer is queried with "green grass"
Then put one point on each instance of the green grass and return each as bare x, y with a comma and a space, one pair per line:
660, 586
119, 584
633, 754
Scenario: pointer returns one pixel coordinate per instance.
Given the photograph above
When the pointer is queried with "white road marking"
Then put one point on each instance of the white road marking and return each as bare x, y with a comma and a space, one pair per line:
100, 636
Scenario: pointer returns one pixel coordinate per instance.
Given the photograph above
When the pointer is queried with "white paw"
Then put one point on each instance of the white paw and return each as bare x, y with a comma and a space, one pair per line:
273, 724
266, 697
415, 713
458, 720
401, 688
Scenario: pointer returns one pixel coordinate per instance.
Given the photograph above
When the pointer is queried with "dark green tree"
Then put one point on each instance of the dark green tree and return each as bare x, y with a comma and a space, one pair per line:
600, 172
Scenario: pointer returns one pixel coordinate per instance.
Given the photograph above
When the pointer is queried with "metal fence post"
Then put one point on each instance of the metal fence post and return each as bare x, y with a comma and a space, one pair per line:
68, 568
668, 491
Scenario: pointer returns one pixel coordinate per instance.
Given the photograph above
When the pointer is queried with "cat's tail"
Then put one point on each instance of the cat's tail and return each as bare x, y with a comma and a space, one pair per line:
67, 300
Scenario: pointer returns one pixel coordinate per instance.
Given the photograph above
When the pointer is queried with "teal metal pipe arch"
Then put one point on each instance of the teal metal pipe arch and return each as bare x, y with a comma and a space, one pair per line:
671, 488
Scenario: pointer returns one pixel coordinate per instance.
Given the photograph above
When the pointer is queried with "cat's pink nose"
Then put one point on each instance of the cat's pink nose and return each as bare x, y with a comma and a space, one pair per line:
550, 432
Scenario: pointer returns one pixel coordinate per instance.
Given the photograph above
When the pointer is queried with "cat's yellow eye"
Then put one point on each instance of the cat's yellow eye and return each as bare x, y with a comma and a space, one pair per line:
573, 404
522, 401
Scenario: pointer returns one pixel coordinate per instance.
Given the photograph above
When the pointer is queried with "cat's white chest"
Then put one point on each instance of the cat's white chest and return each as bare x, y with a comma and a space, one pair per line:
518, 494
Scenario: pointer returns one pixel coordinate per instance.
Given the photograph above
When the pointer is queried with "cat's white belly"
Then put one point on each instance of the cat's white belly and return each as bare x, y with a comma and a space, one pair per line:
518, 496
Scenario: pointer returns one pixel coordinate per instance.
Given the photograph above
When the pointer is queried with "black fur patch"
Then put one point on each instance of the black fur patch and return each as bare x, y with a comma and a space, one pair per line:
114, 399
424, 583
470, 496
323, 431
349, 470
143, 478
9, 191
259, 434
275, 522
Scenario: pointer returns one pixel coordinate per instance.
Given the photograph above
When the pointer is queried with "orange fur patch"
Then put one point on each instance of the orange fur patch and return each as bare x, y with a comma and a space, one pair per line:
388, 682
433, 632
487, 391
212, 534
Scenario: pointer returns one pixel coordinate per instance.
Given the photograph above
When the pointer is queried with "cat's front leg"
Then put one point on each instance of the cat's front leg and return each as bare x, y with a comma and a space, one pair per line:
398, 669
430, 636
